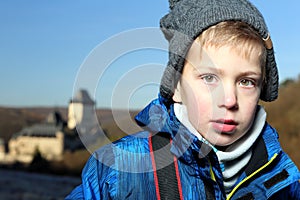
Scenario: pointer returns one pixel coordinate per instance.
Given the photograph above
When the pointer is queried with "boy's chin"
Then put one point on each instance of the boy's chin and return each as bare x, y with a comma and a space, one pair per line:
221, 141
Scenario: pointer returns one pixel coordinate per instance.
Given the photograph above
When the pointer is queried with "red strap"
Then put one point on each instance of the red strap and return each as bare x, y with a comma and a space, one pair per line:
154, 168
178, 178
152, 152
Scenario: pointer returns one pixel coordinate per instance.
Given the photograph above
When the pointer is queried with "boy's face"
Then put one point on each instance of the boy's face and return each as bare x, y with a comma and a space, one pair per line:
220, 89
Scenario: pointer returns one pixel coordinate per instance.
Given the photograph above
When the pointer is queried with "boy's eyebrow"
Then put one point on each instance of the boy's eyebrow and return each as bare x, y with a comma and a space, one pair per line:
207, 68
249, 73
214, 69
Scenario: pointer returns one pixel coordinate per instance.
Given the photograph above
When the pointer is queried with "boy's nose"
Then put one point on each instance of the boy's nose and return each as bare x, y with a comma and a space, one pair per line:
229, 98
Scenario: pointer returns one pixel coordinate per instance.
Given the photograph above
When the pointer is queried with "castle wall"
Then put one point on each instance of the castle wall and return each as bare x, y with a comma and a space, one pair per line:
25, 147
75, 114
82, 115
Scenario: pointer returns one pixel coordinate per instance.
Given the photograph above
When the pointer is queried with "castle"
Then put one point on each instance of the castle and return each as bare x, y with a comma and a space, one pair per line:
51, 138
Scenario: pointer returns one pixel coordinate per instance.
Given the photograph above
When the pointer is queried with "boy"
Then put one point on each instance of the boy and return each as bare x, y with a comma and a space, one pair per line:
205, 136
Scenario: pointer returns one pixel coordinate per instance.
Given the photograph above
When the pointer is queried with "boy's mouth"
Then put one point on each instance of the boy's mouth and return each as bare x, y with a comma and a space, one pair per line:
224, 125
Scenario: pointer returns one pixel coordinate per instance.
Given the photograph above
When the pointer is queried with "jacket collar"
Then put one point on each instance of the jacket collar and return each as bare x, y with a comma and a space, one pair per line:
264, 149
158, 117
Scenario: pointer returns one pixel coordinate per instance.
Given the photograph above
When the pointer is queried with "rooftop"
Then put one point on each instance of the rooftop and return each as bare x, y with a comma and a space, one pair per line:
83, 97
40, 130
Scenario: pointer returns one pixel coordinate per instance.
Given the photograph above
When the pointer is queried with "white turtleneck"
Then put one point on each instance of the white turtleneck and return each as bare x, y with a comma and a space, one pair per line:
237, 155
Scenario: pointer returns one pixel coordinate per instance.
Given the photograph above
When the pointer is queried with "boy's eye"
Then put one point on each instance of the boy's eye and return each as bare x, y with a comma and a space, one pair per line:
246, 83
209, 78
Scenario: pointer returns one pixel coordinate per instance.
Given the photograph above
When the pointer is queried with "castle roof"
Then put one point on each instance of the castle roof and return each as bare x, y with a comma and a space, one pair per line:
39, 130
54, 118
83, 97
53, 123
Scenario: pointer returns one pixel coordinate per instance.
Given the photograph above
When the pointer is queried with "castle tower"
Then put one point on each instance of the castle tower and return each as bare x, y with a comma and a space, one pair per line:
81, 112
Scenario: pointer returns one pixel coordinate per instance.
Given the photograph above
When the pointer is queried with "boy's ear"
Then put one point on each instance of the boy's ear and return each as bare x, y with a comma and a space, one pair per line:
177, 94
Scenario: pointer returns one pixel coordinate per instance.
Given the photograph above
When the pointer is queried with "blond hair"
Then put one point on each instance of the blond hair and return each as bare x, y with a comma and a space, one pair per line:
241, 37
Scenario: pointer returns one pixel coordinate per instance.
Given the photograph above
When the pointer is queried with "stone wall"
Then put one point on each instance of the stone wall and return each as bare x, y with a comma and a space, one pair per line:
24, 148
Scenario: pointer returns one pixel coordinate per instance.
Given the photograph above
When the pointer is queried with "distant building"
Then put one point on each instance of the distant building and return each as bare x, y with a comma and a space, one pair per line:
81, 111
82, 117
46, 138
51, 138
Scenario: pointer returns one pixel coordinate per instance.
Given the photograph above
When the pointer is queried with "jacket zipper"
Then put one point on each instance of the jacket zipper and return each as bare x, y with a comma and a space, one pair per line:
212, 174
251, 175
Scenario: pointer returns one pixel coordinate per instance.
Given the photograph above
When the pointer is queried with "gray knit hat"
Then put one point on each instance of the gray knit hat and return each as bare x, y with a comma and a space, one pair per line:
187, 19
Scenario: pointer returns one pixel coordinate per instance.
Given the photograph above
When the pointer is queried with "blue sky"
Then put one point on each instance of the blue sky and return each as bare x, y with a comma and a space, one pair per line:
44, 46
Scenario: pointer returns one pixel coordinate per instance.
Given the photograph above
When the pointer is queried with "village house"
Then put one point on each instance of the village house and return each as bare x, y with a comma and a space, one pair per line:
51, 138
46, 138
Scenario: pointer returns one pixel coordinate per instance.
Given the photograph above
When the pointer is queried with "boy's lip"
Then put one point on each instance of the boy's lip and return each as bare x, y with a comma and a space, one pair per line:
224, 125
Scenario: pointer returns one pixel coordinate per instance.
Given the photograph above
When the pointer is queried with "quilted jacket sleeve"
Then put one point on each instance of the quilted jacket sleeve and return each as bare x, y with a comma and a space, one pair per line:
290, 192
92, 187
76, 194
295, 191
